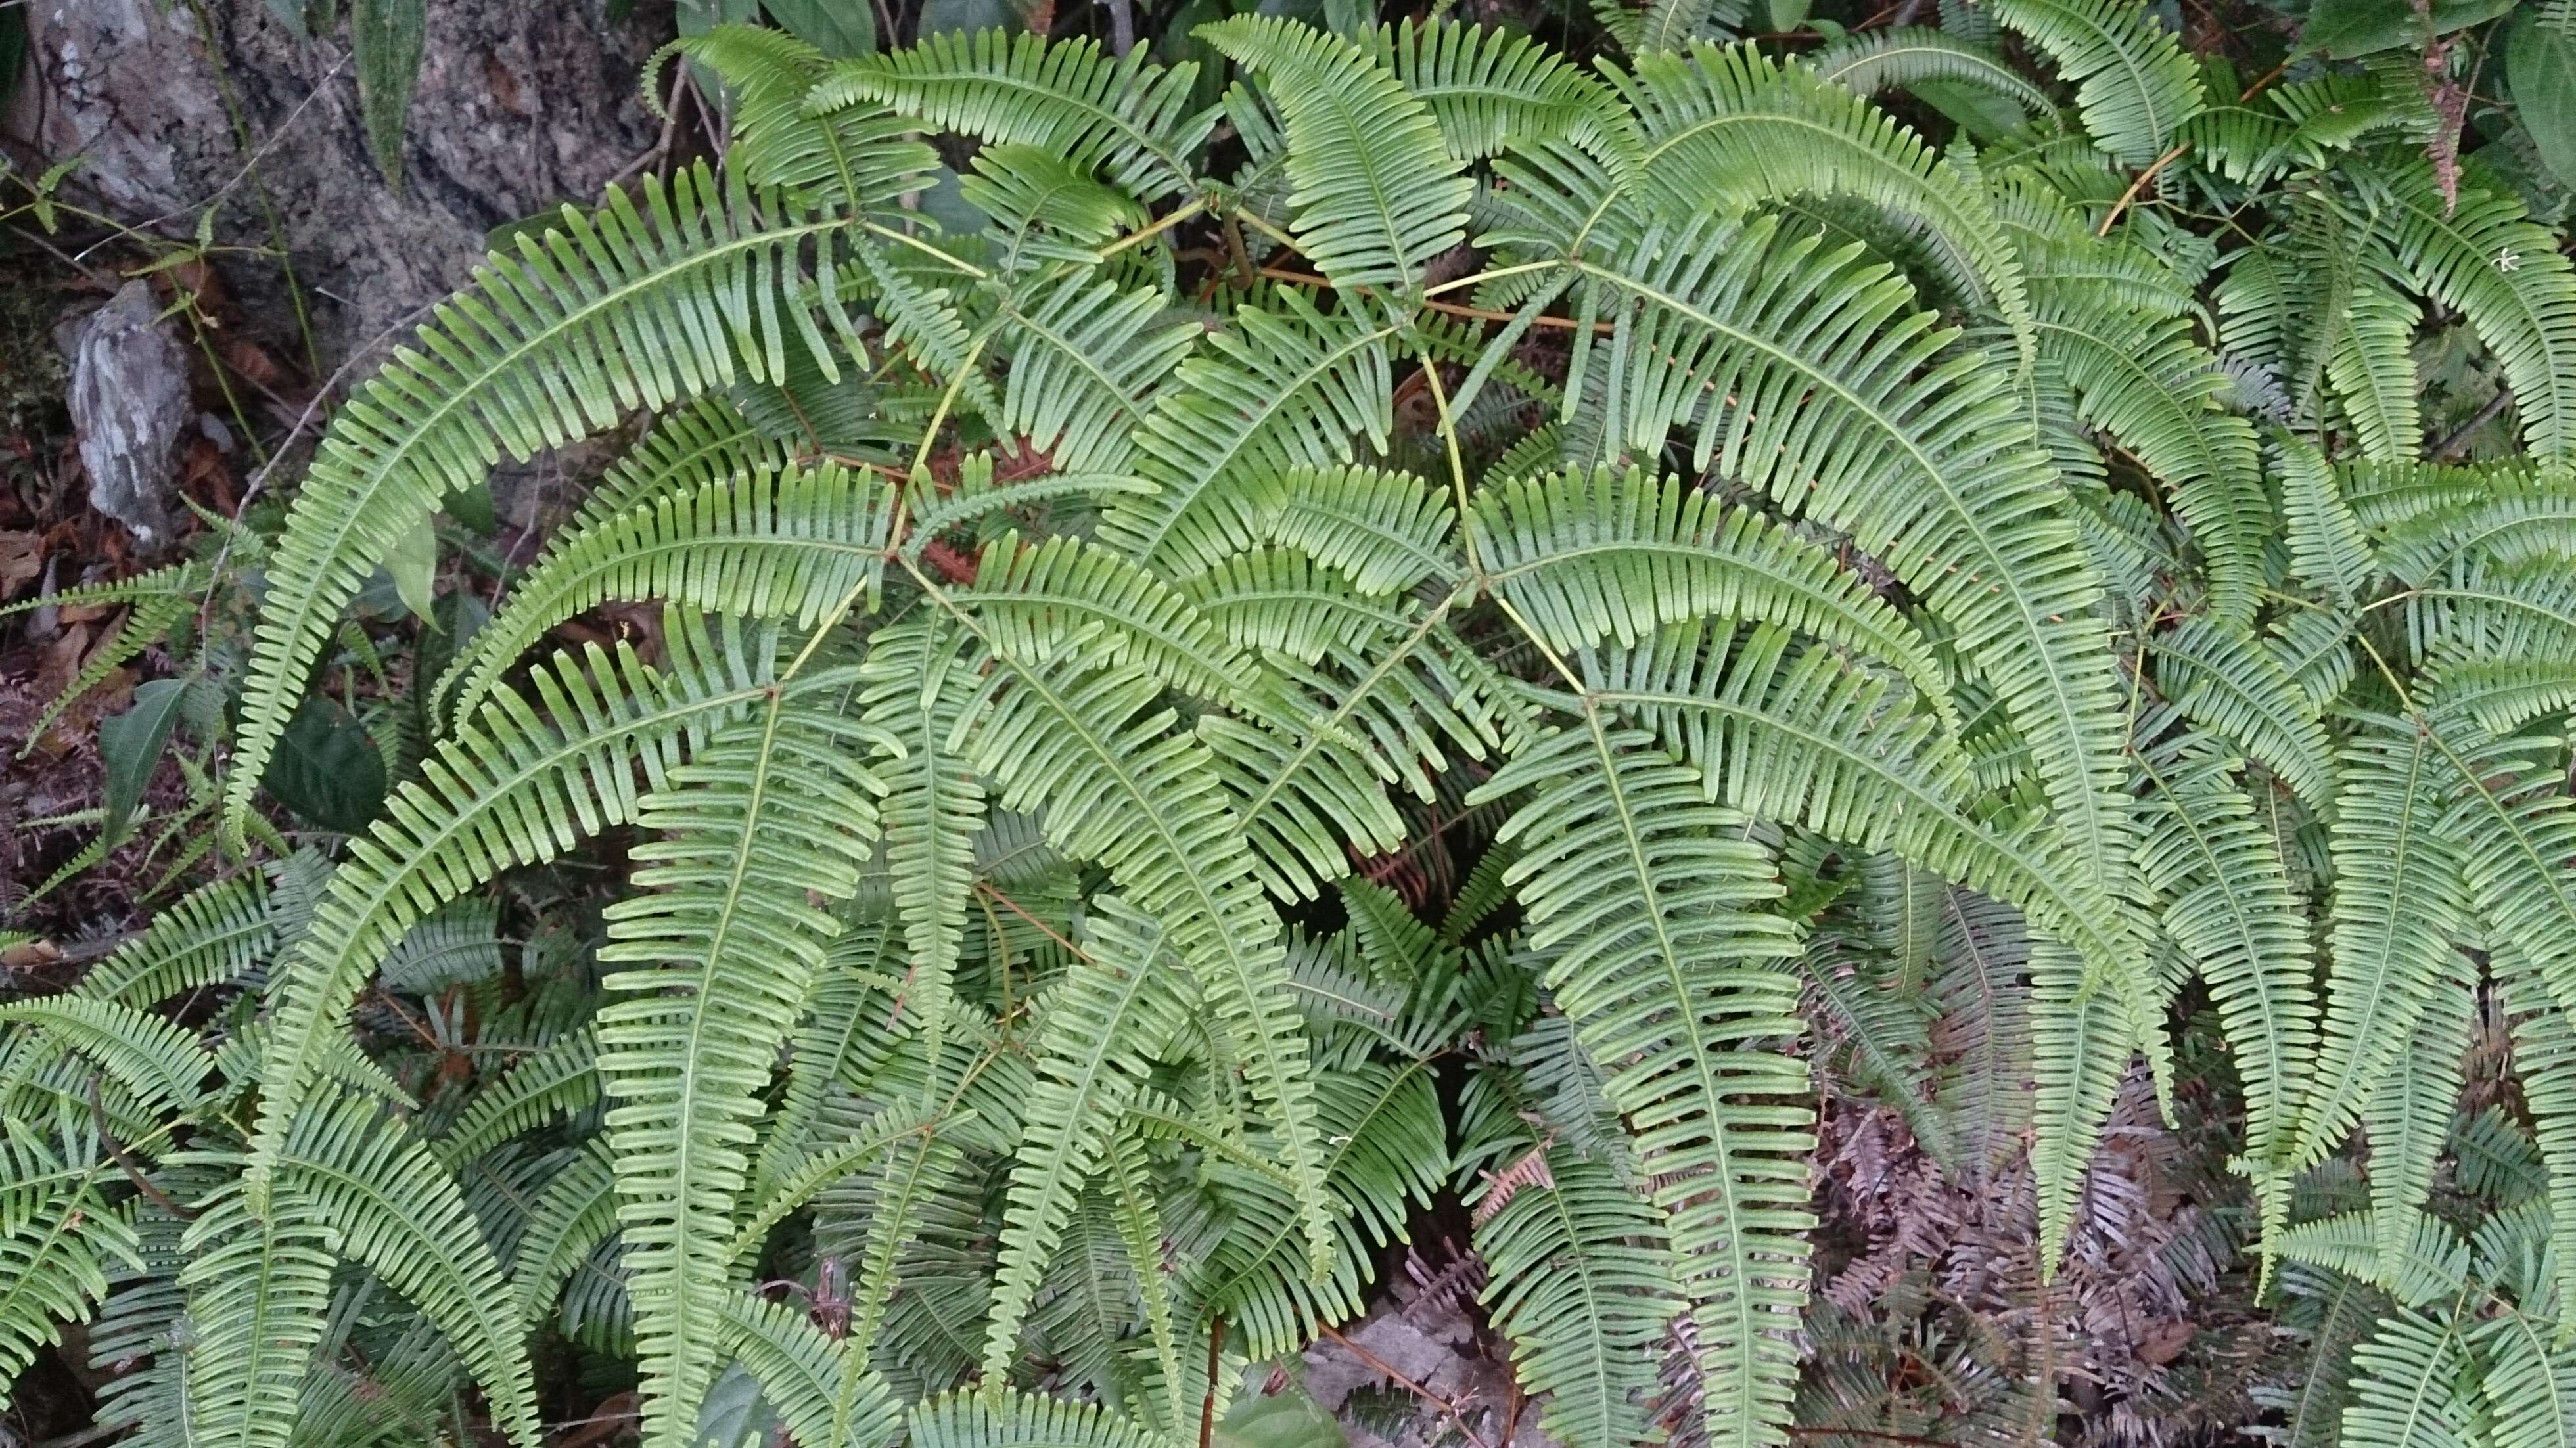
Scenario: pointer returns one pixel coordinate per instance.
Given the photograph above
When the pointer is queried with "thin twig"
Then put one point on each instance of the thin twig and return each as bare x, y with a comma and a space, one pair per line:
2137, 186
670, 126
2457, 439
986, 887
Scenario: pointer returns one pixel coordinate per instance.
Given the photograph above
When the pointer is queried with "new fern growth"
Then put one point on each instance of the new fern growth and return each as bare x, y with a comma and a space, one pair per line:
1737, 518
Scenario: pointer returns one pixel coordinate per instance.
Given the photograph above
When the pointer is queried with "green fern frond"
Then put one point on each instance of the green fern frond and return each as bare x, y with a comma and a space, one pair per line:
854, 160
1386, 531
161, 1064
59, 1239
383, 1199
1606, 554
1008, 1419
2408, 1385
1377, 193
1387, 1153
2435, 1266
2082, 1041
2371, 368
559, 1079
1026, 597
1083, 356
2134, 85
575, 1213
1088, 747
145, 623
520, 784
787, 545
2227, 684
1048, 207
1734, 129
1898, 58
723, 952
2153, 389
2508, 522
1116, 1006
2408, 1116
1576, 1273
2327, 548
1129, 116
1668, 24
917, 687
2544, 1058
1646, 902
1791, 734
1977, 528
821, 1389
2511, 828
206, 937
1312, 772
1490, 90
259, 1295
2396, 912
2485, 259
1275, 391
2227, 905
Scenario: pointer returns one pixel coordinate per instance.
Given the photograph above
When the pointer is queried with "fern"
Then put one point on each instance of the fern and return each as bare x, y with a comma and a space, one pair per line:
2134, 86
1349, 639
1377, 194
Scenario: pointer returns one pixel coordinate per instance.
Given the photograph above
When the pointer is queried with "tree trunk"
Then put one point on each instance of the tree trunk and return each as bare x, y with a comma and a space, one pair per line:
521, 104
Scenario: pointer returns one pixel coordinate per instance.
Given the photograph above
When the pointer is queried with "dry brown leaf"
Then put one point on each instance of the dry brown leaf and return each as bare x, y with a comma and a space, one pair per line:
21, 559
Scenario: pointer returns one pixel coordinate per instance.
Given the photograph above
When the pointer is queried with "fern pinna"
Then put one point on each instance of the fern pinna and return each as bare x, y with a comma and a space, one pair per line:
1730, 523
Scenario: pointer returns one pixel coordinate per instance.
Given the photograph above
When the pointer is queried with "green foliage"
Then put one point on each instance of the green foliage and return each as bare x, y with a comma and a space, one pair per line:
1804, 608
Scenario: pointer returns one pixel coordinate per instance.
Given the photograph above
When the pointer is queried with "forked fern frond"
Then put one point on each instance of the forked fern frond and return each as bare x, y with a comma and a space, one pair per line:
723, 952
1646, 902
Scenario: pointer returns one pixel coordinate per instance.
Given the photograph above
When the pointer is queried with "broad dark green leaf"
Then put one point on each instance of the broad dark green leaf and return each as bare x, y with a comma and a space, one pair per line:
130, 745
1288, 1418
838, 28
387, 35
327, 770
2346, 28
2540, 63
414, 565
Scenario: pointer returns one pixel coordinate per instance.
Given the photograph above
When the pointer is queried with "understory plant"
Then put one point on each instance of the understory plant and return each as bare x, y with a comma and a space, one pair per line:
1405, 621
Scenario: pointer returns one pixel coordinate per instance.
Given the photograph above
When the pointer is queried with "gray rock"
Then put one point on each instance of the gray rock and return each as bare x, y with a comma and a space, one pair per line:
129, 402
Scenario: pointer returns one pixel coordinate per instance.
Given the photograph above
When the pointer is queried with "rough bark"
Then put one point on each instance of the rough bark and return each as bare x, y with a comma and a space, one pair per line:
521, 104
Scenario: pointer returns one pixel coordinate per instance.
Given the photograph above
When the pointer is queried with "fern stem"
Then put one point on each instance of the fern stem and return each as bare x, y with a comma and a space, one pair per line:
947, 400
1475, 559
957, 264
1149, 233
